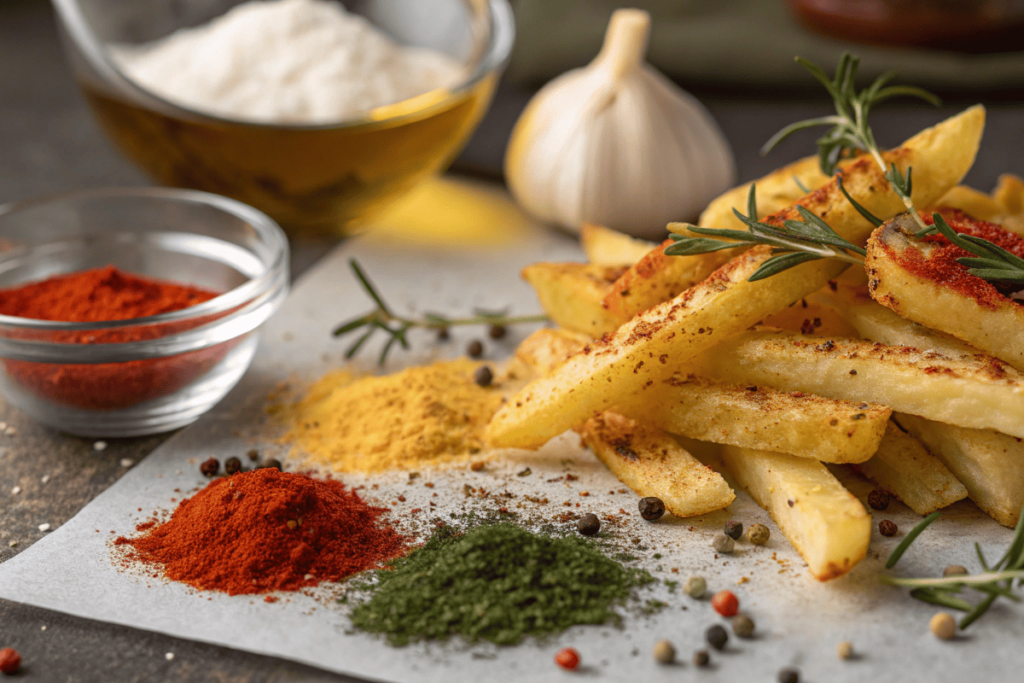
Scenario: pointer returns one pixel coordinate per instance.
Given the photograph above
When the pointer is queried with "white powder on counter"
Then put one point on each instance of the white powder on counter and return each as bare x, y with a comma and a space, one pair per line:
285, 61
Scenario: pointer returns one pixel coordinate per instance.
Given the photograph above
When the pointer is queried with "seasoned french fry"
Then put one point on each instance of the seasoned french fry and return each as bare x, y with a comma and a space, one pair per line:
755, 417
826, 524
811, 316
978, 204
904, 468
1010, 195
652, 463
571, 294
606, 247
990, 464
969, 391
980, 316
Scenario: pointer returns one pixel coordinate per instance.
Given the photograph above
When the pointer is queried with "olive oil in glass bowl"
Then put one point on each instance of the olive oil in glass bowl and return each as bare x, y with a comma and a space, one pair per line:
313, 179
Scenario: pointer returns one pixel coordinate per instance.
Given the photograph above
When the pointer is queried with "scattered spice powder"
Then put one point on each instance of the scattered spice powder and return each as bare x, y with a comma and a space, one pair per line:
421, 416
266, 530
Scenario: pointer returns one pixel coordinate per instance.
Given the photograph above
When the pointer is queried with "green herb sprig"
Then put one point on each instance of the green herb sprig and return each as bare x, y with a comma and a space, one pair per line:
996, 581
991, 261
397, 327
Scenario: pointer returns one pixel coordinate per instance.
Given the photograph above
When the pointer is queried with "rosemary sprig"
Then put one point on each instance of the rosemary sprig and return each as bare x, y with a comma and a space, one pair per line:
996, 581
384, 319
992, 262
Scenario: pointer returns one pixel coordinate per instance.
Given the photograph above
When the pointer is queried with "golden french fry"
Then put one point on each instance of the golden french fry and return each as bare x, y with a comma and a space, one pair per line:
571, 294
975, 313
904, 468
811, 316
652, 463
826, 524
978, 204
969, 391
606, 247
990, 464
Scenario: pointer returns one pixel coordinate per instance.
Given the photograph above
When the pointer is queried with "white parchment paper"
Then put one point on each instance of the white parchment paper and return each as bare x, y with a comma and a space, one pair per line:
799, 620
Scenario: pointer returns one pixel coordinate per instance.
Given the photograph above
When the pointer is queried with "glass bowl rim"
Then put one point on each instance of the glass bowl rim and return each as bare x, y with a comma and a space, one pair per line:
251, 289
495, 55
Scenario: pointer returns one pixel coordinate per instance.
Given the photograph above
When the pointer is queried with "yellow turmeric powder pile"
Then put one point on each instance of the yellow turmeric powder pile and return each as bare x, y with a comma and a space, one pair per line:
421, 416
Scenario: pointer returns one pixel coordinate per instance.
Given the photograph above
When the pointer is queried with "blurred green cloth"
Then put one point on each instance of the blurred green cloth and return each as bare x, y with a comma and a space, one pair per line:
736, 44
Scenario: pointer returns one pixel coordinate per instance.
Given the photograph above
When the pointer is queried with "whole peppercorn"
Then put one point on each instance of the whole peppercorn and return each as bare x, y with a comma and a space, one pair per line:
567, 658
716, 637
475, 349
588, 524
845, 650
695, 586
888, 528
758, 534
701, 658
443, 334
878, 499
664, 653
272, 462
253, 454
651, 508
10, 661
733, 530
496, 331
483, 376
943, 626
788, 676
232, 466
725, 603
210, 467
954, 570
723, 544
743, 626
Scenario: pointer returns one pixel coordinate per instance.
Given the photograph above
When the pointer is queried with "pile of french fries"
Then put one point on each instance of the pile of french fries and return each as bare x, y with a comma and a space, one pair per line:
787, 373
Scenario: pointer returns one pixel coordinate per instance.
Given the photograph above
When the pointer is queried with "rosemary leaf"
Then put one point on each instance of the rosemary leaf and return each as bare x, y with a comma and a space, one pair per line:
898, 551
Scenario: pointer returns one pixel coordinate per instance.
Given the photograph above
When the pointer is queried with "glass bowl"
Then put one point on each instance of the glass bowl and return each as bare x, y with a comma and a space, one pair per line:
146, 375
322, 179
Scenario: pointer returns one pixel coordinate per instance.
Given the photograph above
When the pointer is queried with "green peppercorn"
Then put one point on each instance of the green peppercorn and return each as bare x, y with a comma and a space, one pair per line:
701, 658
475, 349
588, 524
232, 466
483, 376
695, 586
664, 653
758, 534
210, 467
716, 637
743, 626
723, 544
651, 508
733, 530
789, 676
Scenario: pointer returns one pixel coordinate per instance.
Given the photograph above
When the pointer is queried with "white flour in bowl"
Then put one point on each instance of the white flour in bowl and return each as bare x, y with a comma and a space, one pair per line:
285, 61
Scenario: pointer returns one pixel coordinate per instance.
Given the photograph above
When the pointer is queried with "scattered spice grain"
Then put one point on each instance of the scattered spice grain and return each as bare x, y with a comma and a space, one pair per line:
716, 637
588, 524
733, 530
567, 658
955, 570
695, 586
475, 349
723, 544
232, 466
497, 332
701, 658
888, 528
272, 463
758, 534
651, 508
725, 603
664, 652
483, 376
878, 499
743, 626
10, 661
210, 467
789, 675
845, 650
943, 626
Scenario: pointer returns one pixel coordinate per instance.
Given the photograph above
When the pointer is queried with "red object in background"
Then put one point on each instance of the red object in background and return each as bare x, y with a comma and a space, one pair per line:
10, 661
957, 25
725, 603
567, 658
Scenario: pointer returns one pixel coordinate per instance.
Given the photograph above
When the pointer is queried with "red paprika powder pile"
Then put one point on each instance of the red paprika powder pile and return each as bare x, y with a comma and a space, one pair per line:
267, 530
103, 295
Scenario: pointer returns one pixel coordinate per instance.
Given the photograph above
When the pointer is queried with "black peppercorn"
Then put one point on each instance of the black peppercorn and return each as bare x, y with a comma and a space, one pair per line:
588, 524
483, 376
734, 530
651, 508
210, 467
716, 637
878, 499
232, 466
888, 528
789, 676
253, 454
701, 658
496, 332
272, 462
475, 349
443, 334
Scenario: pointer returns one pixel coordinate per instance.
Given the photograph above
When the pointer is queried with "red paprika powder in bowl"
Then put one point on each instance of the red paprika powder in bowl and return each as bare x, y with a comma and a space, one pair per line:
132, 311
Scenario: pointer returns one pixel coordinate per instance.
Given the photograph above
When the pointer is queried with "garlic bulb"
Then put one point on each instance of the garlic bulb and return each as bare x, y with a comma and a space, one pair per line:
616, 143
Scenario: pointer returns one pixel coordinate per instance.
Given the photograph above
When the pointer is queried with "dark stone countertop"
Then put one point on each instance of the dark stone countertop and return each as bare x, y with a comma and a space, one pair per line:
49, 143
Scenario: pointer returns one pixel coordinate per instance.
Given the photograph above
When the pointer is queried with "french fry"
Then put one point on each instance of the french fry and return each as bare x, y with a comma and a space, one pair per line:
755, 417
969, 391
652, 463
981, 317
904, 468
571, 294
940, 157
606, 247
1009, 193
811, 316
826, 524
978, 204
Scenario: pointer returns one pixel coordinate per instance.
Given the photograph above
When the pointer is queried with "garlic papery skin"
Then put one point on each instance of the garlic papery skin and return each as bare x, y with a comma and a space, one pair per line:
617, 144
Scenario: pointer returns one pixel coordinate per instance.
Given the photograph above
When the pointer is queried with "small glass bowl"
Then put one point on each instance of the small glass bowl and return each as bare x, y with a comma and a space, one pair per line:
313, 179
146, 375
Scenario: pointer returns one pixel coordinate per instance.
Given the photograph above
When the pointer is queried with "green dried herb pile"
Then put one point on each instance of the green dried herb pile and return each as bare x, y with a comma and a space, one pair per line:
494, 582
